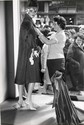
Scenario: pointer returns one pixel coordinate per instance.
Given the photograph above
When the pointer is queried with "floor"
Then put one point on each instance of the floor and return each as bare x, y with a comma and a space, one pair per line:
44, 115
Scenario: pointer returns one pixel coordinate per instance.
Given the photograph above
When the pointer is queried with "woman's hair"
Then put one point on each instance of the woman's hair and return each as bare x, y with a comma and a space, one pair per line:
68, 33
81, 35
61, 21
72, 31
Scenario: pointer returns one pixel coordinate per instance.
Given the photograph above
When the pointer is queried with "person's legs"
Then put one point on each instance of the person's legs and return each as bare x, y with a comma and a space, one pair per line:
30, 89
20, 101
42, 63
47, 81
28, 100
20, 89
44, 58
25, 91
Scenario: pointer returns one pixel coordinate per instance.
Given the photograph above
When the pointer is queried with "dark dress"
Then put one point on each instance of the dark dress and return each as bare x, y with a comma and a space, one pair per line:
28, 69
75, 66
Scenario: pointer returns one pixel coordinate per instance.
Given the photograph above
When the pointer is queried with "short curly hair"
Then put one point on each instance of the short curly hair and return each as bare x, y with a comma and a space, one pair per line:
61, 21
81, 35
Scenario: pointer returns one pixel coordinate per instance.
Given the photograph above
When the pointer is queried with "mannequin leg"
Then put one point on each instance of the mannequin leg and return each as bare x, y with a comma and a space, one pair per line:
20, 89
20, 101
28, 100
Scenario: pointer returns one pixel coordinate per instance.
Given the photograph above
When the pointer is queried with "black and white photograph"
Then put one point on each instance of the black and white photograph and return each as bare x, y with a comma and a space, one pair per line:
41, 62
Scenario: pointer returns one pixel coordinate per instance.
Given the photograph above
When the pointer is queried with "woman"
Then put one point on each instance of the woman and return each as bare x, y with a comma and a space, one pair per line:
75, 62
56, 43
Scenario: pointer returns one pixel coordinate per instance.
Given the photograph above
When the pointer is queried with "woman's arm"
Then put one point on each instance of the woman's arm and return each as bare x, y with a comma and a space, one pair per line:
47, 41
44, 39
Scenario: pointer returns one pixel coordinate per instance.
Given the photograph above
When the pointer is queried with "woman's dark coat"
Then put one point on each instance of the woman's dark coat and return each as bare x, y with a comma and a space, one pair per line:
75, 65
26, 72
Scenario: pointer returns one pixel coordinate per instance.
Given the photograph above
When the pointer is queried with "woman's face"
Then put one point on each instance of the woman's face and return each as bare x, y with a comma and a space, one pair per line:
67, 36
55, 25
81, 30
79, 41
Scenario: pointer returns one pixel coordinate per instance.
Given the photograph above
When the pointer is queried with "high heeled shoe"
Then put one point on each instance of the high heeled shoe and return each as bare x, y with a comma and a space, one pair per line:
18, 105
28, 106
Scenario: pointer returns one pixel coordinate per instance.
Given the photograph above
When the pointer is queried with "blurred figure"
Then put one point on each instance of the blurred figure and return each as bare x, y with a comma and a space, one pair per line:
73, 33
81, 30
47, 89
67, 43
75, 62
44, 54
65, 50
38, 23
44, 69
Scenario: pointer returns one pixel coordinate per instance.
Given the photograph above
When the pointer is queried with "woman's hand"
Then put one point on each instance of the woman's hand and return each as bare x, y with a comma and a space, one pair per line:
39, 34
37, 31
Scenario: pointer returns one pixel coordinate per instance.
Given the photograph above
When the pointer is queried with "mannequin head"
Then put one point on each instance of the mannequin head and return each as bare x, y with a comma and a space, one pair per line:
31, 11
32, 8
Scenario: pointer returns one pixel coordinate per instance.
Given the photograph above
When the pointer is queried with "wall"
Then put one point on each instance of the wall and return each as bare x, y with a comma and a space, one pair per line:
7, 87
16, 28
9, 48
3, 78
